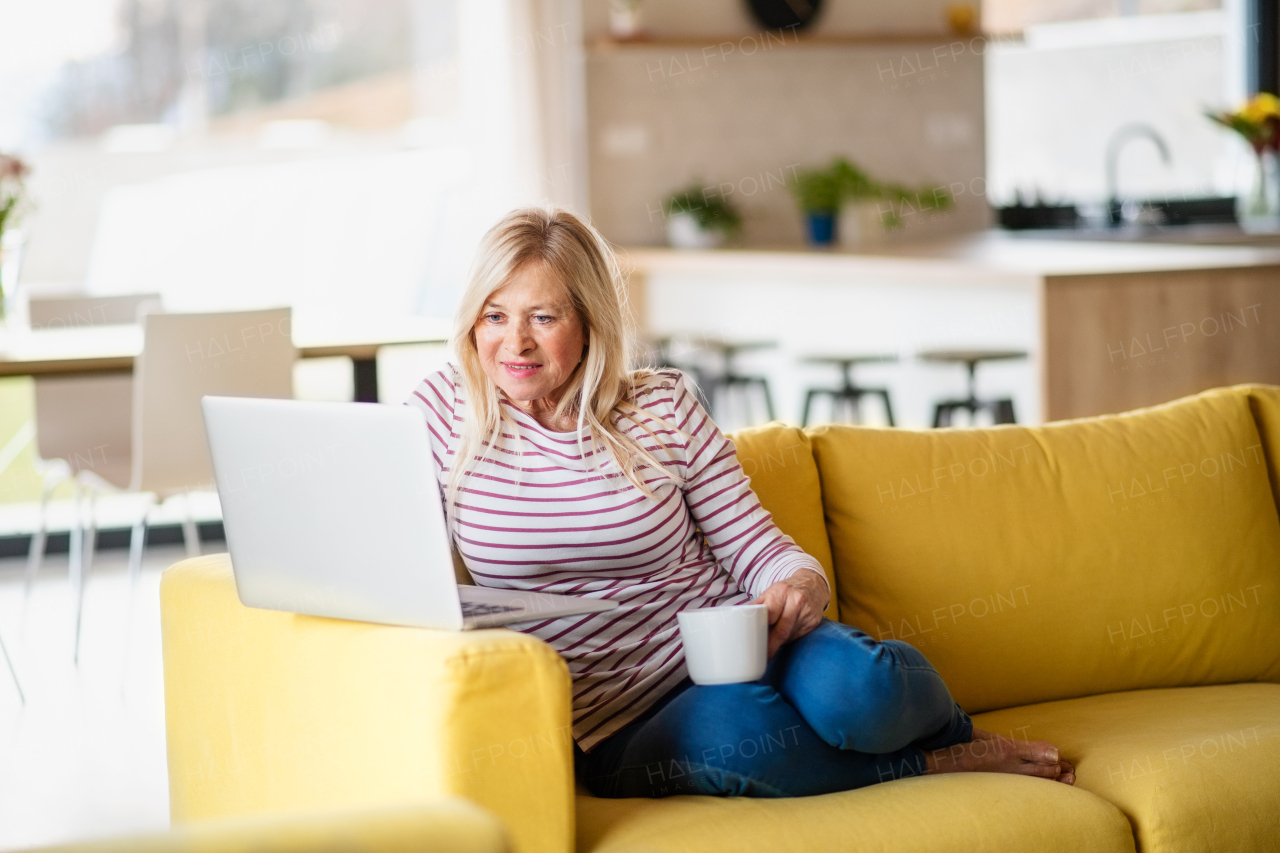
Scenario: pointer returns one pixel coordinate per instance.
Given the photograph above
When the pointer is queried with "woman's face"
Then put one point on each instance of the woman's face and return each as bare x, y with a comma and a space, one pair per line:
530, 338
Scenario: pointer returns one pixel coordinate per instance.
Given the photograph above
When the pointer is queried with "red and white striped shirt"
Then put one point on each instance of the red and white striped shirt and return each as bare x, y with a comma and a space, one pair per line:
536, 515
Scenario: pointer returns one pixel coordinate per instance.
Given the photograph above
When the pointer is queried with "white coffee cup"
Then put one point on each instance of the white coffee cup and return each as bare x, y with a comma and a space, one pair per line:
725, 645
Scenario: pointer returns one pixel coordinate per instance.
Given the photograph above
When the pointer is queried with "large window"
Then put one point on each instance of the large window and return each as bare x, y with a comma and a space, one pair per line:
335, 155
1078, 71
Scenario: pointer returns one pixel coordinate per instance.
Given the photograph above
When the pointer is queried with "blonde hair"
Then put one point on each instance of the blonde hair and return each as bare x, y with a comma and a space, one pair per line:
600, 391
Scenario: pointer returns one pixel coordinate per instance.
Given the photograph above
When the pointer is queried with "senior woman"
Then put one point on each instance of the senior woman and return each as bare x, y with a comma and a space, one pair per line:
566, 472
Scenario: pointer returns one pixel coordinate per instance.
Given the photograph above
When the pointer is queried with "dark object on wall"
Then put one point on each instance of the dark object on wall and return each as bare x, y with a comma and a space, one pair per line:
785, 14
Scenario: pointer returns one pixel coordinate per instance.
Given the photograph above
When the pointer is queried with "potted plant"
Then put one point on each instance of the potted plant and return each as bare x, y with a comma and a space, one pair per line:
13, 174
819, 192
699, 217
1258, 123
842, 186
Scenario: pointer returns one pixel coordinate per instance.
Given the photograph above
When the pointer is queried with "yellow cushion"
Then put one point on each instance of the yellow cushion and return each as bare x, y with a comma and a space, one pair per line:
268, 712
779, 461
1193, 768
443, 826
1105, 554
955, 813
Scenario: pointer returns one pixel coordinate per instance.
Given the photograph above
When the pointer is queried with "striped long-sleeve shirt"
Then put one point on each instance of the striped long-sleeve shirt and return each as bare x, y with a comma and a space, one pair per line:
536, 515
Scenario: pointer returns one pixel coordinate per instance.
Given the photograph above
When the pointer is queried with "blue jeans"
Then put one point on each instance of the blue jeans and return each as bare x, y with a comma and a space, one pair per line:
835, 710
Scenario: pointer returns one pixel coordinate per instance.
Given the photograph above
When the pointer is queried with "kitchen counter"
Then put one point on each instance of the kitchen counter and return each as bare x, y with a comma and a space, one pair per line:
989, 252
1108, 326
1194, 235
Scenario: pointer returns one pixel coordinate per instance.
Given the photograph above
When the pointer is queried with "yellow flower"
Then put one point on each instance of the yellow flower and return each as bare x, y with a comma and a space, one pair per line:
1261, 107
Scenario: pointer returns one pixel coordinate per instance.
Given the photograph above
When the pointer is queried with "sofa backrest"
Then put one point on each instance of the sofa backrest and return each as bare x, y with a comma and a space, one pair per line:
779, 460
1084, 557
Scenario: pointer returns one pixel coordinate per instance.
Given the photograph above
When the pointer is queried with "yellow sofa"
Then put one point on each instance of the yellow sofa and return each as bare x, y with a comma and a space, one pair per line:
442, 826
1109, 584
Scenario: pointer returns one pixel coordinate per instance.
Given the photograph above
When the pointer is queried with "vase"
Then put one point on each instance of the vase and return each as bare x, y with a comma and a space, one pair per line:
625, 23
11, 242
684, 231
1260, 206
822, 227
861, 226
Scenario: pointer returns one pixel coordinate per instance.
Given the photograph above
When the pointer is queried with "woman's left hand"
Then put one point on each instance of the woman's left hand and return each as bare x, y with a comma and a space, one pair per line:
796, 605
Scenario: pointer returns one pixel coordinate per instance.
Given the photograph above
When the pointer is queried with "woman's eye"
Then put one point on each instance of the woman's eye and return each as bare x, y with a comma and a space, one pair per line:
493, 318
543, 318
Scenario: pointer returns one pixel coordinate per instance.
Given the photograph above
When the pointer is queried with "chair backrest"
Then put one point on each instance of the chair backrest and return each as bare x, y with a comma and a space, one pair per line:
184, 358
64, 312
88, 420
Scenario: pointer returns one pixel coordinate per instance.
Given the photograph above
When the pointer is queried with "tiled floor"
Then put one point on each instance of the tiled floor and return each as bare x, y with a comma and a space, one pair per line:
85, 756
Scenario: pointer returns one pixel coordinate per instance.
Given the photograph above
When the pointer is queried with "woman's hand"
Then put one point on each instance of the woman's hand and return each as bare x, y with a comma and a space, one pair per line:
795, 606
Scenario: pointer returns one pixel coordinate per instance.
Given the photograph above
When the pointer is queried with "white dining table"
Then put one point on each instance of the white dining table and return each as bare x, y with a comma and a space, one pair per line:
114, 349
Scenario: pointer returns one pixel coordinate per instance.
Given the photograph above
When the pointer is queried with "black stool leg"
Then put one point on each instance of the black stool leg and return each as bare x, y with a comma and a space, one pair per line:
768, 399
1003, 412
888, 409
808, 401
854, 398
941, 415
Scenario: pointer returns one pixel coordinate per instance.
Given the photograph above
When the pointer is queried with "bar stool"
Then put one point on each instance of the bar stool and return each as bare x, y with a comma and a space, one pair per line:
849, 393
1001, 409
722, 388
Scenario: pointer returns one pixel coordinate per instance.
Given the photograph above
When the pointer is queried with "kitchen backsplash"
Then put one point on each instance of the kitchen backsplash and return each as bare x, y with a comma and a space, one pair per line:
744, 111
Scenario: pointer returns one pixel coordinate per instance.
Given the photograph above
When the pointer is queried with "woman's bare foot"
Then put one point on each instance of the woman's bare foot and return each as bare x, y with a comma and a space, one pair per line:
992, 753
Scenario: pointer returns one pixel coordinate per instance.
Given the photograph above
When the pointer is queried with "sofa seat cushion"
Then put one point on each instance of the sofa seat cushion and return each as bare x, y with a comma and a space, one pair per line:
968, 812
1193, 768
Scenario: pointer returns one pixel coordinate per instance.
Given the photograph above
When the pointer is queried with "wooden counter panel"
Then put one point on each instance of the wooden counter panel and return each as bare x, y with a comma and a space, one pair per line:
1119, 342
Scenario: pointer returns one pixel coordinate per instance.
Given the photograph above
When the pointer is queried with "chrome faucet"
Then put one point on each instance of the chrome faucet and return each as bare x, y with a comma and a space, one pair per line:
1125, 134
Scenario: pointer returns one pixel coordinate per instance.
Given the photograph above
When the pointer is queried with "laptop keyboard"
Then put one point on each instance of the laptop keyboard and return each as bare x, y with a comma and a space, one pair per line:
475, 608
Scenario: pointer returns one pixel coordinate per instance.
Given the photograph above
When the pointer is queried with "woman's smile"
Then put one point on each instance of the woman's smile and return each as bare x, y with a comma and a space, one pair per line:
520, 369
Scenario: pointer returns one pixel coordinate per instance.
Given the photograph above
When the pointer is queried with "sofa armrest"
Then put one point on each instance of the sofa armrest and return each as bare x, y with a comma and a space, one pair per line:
269, 711
442, 826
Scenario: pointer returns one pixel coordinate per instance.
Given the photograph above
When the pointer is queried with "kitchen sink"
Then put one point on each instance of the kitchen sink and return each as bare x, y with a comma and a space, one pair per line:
1209, 220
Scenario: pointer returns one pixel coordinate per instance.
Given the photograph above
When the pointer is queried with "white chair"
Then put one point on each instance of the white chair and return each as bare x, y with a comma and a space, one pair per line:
84, 424
184, 358
22, 697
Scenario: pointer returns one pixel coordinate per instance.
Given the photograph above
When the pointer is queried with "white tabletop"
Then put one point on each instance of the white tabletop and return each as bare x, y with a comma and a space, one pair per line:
113, 348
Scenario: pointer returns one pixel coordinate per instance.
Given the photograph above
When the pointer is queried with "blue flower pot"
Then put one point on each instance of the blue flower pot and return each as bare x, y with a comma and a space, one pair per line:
822, 228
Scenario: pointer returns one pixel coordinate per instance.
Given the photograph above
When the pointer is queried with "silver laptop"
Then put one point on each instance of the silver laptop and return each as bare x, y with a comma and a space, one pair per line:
333, 509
